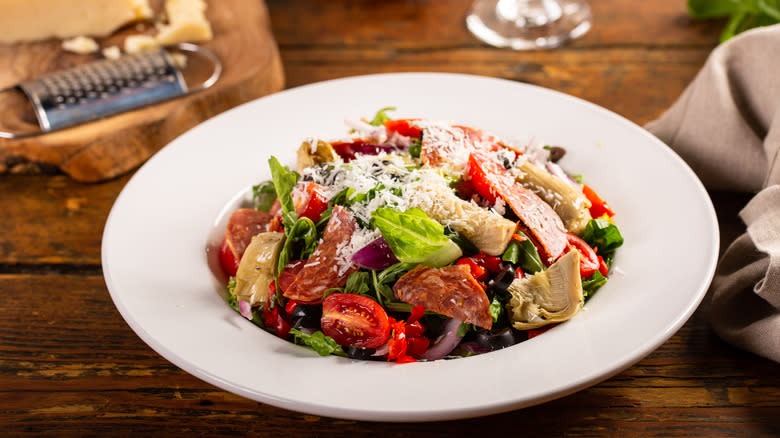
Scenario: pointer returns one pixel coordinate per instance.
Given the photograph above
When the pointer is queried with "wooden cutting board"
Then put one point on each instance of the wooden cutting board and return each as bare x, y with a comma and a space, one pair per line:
110, 147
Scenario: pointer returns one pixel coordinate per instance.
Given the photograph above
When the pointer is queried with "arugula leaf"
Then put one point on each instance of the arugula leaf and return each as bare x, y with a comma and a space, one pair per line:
319, 342
381, 117
284, 181
602, 235
591, 284
415, 238
464, 244
264, 195
524, 254
358, 283
301, 241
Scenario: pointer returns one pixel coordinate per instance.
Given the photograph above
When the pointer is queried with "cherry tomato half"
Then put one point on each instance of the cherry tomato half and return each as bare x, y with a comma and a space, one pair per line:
355, 320
598, 206
589, 262
228, 259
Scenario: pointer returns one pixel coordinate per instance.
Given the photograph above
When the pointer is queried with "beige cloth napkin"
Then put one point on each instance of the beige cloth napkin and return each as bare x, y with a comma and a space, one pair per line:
726, 125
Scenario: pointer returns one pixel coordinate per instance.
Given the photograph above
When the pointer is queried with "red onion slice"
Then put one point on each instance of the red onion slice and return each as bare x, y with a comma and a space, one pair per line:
560, 173
245, 309
446, 342
375, 256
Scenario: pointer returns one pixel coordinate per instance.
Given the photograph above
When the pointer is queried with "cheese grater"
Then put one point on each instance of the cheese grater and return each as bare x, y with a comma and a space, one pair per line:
108, 87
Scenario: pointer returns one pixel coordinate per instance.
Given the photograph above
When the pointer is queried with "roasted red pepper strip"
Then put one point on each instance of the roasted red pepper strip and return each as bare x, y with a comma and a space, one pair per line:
417, 312
598, 206
396, 345
603, 268
491, 180
477, 271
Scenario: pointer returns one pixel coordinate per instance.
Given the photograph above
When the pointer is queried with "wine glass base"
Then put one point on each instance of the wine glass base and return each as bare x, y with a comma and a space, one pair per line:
528, 33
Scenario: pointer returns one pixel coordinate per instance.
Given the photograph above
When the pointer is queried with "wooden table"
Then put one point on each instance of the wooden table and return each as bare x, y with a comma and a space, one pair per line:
69, 365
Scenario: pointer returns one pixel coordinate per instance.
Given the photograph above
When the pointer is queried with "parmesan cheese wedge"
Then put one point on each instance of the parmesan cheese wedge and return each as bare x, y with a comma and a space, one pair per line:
32, 20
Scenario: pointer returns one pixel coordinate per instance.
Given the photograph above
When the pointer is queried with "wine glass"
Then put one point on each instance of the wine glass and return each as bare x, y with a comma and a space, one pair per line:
528, 24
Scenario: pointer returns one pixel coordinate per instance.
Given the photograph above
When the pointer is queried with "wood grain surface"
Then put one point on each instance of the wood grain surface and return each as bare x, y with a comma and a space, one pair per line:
70, 366
110, 147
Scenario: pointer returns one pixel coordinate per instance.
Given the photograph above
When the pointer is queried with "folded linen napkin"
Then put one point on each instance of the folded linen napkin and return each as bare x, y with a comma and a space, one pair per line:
726, 125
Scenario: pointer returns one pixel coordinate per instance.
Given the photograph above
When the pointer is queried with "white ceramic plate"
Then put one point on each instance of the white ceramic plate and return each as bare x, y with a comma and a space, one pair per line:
157, 271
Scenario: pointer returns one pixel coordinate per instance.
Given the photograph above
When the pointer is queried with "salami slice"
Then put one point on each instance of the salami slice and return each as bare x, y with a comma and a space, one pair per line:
243, 225
450, 291
329, 266
492, 180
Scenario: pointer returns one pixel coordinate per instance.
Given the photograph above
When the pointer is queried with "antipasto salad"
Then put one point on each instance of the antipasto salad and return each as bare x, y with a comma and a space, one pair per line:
415, 239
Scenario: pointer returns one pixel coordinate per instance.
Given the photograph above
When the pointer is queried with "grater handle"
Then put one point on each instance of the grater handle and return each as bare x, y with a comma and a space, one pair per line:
114, 106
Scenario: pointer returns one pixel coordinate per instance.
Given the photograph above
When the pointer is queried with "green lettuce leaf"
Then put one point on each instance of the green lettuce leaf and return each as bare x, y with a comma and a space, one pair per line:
381, 117
524, 254
415, 238
264, 195
319, 342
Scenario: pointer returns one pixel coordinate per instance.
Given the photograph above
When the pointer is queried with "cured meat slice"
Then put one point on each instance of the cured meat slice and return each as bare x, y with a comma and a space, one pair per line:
450, 291
243, 225
330, 265
492, 181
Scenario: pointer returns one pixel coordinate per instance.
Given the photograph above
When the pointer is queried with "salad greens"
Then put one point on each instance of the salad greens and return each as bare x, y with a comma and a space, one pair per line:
264, 195
742, 14
381, 117
284, 181
415, 238
319, 342
604, 237
523, 253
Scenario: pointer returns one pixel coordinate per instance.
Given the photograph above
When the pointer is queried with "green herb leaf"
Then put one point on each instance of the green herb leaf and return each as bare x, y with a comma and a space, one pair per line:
602, 235
524, 254
464, 328
415, 238
381, 117
591, 284
300, 243
317, 341
264, 195
496, 308
284, 181
415, 148
358, 283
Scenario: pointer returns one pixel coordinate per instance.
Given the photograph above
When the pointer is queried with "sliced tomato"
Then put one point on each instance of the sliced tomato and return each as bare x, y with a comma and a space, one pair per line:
589, 262
354, 320
404, 127
228, 259
289, 273
310, 201
477, 271
598, 206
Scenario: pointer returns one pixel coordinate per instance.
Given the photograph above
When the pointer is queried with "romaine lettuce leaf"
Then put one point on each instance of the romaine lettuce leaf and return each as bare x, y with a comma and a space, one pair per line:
415, 238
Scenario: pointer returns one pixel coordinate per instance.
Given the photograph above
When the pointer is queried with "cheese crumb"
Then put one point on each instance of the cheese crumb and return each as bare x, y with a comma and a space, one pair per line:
140, 43
81, 45
112, 52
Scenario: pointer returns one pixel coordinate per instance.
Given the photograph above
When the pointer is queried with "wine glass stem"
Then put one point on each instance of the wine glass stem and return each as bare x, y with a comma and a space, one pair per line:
530, 13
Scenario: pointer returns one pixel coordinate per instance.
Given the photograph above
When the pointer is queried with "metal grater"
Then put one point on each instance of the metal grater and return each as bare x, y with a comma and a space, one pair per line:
104, 88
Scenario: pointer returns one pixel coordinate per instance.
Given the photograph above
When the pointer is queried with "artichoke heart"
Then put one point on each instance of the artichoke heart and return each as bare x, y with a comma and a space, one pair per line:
571, 205
488, 231
256, 269
554, 295
314, 152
